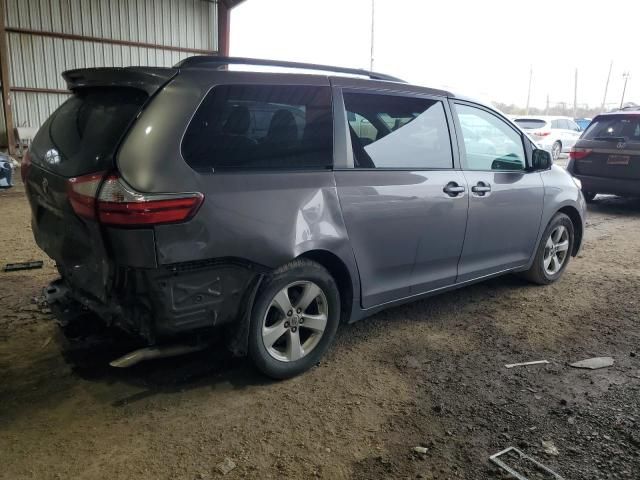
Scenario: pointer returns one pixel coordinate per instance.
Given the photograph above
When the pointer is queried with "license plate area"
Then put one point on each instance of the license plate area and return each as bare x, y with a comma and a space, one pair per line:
618, 160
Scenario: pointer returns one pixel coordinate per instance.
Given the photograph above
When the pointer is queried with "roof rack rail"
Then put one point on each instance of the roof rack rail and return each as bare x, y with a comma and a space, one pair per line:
214, 60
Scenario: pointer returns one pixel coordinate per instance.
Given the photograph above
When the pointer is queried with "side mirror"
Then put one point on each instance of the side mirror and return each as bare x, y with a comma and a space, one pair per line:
541, 160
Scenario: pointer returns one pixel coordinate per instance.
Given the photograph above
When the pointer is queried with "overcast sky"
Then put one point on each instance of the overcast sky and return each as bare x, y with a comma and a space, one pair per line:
480, 48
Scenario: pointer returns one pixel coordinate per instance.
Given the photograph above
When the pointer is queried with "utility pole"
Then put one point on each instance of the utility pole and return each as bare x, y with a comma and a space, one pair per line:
529, 90
546, 110
372, 18
575, 95
626, 76
606, 86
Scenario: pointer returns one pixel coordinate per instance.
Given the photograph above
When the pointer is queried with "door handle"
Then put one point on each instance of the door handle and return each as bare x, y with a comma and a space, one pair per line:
453, 189
481, 188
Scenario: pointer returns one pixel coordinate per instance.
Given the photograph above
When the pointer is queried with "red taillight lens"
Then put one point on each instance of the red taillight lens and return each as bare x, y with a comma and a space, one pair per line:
579, 153
120, 205
25, 165
542, 134
82, 192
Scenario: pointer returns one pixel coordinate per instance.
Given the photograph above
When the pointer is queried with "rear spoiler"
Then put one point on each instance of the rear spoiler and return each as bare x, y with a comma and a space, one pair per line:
149, 79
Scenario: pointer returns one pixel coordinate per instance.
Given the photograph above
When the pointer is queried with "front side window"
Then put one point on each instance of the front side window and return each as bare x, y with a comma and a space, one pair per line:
489, 142
261, 127
390, 131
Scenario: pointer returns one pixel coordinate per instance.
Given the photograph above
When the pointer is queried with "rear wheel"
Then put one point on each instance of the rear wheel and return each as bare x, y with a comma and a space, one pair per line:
553, 251
556, 149
294, 319
589, 196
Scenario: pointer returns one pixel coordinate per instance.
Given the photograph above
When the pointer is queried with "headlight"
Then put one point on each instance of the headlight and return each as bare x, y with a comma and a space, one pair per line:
577, 182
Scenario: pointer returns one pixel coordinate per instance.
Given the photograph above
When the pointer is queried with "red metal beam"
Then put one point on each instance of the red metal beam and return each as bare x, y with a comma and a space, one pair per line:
4, 78
86, 38
224, 19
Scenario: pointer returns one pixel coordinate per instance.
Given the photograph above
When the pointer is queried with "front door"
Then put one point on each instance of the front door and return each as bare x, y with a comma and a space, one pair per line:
505, 200
404, 204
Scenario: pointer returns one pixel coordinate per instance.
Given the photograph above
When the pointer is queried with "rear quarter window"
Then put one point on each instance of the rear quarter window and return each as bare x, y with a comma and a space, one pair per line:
261, 127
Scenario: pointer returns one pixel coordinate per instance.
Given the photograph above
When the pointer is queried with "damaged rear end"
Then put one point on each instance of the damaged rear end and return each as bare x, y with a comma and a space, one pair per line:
86, 217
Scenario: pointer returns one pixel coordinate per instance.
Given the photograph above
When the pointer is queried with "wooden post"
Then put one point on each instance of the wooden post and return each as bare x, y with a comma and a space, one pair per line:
4, 78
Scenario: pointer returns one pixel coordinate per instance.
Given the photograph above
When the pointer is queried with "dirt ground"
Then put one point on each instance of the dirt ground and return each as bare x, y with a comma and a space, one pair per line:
428, 374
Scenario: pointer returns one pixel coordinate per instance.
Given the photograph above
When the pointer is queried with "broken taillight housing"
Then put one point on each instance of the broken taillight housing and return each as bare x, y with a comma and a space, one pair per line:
112, 202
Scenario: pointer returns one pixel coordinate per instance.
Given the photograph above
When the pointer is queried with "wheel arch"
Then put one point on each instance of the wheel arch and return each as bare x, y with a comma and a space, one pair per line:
340, 273
576, 220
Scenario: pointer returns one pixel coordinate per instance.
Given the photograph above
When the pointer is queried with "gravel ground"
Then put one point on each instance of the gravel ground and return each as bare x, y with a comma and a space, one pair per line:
428, 374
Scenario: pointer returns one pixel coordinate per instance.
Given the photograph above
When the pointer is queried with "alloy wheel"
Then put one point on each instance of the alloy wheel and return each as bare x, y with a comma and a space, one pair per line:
295, 321
556, 250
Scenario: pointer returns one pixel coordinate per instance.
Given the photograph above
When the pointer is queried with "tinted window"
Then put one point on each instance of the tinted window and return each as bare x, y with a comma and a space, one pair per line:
489, 142
261, 127
573, 126
530, 123
556, 124
389, 131
614, 127
83, 133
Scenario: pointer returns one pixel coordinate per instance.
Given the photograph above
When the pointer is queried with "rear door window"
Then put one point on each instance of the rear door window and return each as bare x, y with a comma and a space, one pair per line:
81, 136
614, 128
391, 131
261, 127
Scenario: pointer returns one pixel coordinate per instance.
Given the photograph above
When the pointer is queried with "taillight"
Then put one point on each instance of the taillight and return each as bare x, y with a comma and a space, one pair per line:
118, 204
579, 153
542, 133
82, 192
25, 165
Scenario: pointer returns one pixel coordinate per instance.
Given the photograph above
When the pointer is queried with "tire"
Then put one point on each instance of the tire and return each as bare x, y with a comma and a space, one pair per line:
589, 196
539, 272
556, 150
273, 329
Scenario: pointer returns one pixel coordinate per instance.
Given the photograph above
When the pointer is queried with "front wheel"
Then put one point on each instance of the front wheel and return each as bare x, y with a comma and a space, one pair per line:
553, 251
294, 319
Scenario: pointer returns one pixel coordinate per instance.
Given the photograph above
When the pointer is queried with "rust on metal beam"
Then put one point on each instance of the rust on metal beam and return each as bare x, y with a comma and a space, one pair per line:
86, 38
4, 79
40, 90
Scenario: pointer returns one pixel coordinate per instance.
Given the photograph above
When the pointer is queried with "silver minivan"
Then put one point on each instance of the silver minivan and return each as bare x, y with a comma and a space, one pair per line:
184, 204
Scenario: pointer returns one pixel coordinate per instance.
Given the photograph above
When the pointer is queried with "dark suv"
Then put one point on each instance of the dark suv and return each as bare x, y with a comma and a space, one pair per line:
198, 201
606, 158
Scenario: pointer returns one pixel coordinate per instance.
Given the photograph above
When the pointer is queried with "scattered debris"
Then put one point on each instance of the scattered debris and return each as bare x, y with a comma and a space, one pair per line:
550, 448
594, 363
420, 449
47, 341
536, 362
226, 466
523, 461
12, 267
